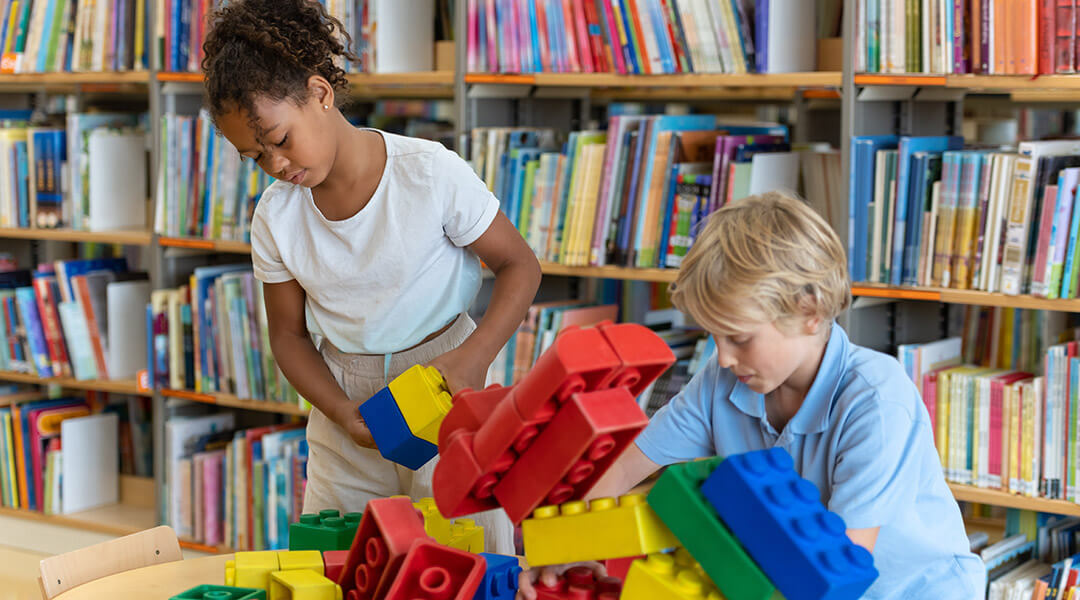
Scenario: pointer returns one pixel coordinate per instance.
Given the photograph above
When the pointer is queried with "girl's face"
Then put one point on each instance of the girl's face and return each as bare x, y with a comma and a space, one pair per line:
290, 142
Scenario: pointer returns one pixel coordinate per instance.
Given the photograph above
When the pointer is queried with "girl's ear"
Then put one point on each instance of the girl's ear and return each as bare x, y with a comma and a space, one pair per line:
321, 92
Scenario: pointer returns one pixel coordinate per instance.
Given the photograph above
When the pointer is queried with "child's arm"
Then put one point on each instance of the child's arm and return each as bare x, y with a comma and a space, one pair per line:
630, 469
517, 277
301, 362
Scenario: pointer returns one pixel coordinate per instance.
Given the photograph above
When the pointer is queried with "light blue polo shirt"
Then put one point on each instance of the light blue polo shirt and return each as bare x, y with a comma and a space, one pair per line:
863, 437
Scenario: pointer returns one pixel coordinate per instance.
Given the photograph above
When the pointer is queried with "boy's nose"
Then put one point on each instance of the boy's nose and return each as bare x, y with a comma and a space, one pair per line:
725, 360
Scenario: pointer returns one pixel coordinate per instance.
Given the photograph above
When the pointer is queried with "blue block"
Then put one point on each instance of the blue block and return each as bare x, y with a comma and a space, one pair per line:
780, 521
500, 579
392, 435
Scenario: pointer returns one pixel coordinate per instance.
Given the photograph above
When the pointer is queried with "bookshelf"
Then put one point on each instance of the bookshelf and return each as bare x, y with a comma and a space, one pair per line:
123, 237
428, 84
228, 246
817, 79
232, 401
119, 386
968, 493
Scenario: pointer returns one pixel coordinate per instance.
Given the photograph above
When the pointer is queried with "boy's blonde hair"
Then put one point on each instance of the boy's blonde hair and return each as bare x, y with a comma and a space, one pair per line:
764, 259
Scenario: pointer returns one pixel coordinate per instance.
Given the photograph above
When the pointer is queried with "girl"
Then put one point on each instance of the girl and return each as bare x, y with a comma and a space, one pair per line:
367, 240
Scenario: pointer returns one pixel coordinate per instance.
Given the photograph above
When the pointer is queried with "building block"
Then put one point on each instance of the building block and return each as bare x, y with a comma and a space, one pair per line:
435, 572
500, 580
334, 563
470, 410
619, 567
644, 356
435, 524
388, 529
392, 435
466, 535
580, 583
298, 560
602, 529
302, 584
779, 517
220, 592
327, 530
251, 569
586, 436
424, 400
677, 500
658, 576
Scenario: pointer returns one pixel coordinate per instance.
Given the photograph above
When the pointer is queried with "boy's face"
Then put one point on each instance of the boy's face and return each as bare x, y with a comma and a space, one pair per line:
288, 142
764, 357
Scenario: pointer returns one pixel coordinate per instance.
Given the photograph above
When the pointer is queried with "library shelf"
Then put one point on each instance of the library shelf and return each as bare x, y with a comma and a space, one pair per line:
968, 493
973, 297
126, 237
231, 246
97, 77
21, 397
423, 84
135, 511
814, 79
610, 272
915, 79
232, 401
112, 386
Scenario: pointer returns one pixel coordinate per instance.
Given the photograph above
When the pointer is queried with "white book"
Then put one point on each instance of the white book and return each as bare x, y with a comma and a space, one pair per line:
90, 462
126, 333
401, 44
117, 179
792, 43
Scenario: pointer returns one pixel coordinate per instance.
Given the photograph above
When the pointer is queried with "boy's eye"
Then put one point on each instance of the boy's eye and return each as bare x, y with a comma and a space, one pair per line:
741, 340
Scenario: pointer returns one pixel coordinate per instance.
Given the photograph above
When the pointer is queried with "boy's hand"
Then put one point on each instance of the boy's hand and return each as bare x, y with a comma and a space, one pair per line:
549, 577
460, 370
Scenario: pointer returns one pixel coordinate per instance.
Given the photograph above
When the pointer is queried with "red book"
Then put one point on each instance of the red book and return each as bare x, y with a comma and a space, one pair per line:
1025, 36
581, 28
82, 293
614, 47
997, 426
1065, 36
1042, 248
1047, 37
596, 38
680, 54
541, 29
45, 290
639, 35
975, 35
929, 395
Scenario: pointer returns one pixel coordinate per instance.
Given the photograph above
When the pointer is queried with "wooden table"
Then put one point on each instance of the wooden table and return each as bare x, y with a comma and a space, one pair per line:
159, 582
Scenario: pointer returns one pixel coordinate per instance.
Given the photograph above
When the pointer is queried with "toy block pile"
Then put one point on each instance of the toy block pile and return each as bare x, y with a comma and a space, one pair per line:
742, 528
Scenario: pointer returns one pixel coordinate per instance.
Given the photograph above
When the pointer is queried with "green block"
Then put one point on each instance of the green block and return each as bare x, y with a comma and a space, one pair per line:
327, 530
677, 499
220, 592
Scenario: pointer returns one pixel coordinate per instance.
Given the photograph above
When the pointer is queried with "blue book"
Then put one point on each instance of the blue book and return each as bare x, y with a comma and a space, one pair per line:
926, 169
150, 346
761, 37
679, 31
629, 54
22, 167
46, 38
204, 280
28, 314
174, 51
907, 147
622, 250
534, 39
663, 41
860, 196
669, 208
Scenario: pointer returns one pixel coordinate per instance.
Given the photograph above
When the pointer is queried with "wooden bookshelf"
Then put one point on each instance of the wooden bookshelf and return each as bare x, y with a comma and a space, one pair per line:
910, 79
231, 246
973, 297
967, 493
423, 84
124, 237
21, 397
609, 272
135, 512
97, 77
232, 401
815, 79
117, 386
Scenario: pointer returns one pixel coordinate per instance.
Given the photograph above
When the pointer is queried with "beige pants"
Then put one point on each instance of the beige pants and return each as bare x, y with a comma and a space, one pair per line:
344, 476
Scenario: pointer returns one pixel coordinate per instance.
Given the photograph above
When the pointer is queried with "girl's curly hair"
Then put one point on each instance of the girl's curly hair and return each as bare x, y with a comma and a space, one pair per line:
271, 48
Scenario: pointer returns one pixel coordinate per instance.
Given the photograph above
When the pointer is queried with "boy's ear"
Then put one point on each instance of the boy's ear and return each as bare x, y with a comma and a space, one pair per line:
812, 324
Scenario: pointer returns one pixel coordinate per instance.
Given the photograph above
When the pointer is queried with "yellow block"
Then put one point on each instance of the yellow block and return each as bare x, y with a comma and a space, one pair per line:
659, 576
302, 584
435, 524
466, 535
251, 569
576, 531
295, 560
423, 398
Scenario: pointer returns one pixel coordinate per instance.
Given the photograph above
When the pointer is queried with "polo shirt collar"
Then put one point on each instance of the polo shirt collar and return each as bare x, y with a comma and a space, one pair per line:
813, 415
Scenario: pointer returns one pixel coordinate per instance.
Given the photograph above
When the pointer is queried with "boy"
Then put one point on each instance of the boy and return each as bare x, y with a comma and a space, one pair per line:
767, 277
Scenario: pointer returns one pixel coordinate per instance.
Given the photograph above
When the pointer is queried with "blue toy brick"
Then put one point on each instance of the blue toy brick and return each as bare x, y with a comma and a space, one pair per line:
780, 521
392, 435
500, 579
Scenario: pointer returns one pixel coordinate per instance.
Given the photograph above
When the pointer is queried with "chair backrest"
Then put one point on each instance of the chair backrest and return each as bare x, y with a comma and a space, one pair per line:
151, 547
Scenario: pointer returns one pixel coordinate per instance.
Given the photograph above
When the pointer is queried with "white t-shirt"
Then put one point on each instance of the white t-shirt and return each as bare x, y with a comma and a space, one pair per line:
396, 271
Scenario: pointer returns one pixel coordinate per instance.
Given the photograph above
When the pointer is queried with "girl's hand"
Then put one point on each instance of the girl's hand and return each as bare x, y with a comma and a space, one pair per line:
460, 370
358, 430
548, 577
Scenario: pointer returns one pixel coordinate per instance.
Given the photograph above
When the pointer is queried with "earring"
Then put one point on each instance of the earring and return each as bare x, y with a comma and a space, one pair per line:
325, 107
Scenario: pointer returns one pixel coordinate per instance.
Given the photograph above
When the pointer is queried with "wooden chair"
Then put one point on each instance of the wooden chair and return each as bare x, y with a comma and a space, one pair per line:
62, 572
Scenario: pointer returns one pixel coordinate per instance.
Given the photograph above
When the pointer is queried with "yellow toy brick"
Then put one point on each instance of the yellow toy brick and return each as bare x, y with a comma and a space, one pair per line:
423, 398
302, 584
251, 569
605, 528
296, 560
659, 576
435, 524
466, 535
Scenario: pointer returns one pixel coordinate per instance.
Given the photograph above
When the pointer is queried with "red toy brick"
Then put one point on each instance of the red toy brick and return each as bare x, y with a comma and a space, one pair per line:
619, 567
643, 354
334, 563
580, 583
576, 447
435, 572
387, 531
470, 409
578, 360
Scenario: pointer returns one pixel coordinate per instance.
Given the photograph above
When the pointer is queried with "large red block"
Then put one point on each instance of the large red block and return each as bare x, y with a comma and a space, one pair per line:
334, 563
580, 583
459, 485
643, 355
575, 448
435, 572
470, 410
619, 567
578, 360
387, 531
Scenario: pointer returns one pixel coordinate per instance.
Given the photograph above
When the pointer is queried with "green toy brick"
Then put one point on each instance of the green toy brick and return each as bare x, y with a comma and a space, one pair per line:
220, 592
677, 499
327, 530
